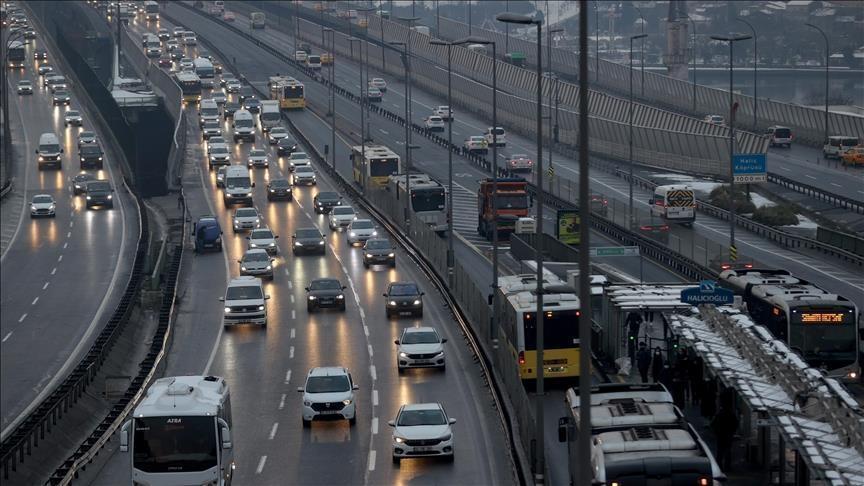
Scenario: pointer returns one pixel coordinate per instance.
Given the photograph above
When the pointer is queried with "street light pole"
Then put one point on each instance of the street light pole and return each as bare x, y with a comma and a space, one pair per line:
731, 39
540, 465
597, 40
755, 72
827, 59
331, 107
632, 215
552, 79
693, 55
641, 51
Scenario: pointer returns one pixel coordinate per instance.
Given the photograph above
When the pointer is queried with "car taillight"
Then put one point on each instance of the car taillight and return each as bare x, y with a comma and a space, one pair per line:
645, 228
748, 265
725, 266
665, 227
521, 357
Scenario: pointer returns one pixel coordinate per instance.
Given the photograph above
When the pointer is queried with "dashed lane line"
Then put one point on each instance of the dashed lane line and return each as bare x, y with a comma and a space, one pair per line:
261, 463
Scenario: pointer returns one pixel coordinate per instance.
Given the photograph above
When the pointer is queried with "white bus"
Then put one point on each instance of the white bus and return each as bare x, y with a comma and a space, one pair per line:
181, 433
151, 10
204, 69
428, 198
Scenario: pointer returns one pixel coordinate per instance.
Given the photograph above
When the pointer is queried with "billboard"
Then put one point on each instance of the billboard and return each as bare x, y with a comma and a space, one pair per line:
567, 229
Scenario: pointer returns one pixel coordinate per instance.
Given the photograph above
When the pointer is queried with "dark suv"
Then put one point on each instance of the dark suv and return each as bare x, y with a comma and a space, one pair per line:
91, 156
100, 193
324, 202
403, 297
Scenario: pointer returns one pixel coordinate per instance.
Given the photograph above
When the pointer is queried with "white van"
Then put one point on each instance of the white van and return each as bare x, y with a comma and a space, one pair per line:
49, 151
208, 111
238, 185
499, 139
190, 39
245, 302
244, 126
836, 145
675, 203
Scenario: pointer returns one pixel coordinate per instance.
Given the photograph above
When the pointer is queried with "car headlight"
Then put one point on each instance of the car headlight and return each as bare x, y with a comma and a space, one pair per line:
366, 255
227, 310
446, 437
312, 297
355, 218
272, 244
257, 220
374, 233
320, 242
110, 197
260, 307
53, 205
353, 234
346, 402
243, 268
399, 440
403, 355
32, 206
297, 243
392, 302
417, 302
88, 198
269, 267
272, 190
253, 245
391, 255
100, 159
340, 296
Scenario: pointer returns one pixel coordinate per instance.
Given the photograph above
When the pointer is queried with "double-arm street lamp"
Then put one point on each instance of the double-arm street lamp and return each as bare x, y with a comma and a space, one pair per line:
755, 72
827, 59
641, 49
632, 218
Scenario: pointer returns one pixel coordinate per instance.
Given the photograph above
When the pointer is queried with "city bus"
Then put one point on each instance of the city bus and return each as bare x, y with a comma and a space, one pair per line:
516, 311
428, 198
289, 91
190, 86
205, 71
151, 10
181, 433
15, 54
375, 166
822, 327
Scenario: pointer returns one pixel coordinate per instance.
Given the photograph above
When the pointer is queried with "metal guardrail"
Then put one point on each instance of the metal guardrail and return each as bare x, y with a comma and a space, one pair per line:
835, 200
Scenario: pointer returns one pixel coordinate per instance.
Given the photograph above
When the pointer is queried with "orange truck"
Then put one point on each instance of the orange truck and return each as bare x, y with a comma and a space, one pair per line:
512, 204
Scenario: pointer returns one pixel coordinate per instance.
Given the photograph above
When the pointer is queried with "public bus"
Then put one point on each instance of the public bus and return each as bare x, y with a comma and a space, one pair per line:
205, 71
15, 54
151, 10
181, 433
516, 311
289, 91
190, 86
819, 325
428, 198
375, 166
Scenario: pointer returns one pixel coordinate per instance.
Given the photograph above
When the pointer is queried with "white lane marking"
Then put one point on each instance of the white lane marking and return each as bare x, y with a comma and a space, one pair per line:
372, 372
835, 184
261, 463
45, 286
53, 270
293, 333
385, 132
787, 169
286, 272
291, 352
273, 431
60, 258
65, 245
282, 401
809, 176
288, 377
7, 336
34, 301
69, 233
292, 299
23, 316
368, 346
71, 223
362, 314
293, 314
375, 398
290, 285
366, 330
372, 456
374, 425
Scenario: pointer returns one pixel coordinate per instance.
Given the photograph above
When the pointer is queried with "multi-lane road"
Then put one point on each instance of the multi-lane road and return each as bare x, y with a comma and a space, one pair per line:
60, 276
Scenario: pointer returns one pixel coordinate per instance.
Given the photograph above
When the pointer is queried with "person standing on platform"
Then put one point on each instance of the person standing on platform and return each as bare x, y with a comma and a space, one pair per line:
643, 360
633, 324
697, 379
725, 425
657, 364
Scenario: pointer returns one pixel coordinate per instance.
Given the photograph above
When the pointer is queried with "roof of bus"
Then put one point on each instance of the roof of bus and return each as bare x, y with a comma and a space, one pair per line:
373, 150
187, 76
183, 395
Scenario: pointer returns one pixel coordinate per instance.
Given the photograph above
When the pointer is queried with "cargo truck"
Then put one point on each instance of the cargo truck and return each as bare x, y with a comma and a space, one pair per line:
257, 20
511, 203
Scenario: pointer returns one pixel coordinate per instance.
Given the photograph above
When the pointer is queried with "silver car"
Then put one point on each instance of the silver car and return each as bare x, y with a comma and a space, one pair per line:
304, 176
256, 262
42, 205
263, 238
359, 231
420, 347
258, 158
246, 219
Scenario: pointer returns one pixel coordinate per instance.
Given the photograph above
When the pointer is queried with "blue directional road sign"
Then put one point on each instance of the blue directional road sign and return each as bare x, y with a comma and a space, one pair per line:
707, 293
749, 168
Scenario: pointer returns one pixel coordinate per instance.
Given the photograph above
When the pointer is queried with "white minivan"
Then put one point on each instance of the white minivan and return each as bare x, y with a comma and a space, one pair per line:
49, 151
208, 111
836, 145
245, 302
495, 137
244, 126
238, 185
675, 203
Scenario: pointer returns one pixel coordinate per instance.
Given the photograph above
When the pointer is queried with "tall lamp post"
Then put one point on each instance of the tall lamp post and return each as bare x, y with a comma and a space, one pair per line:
597, 40
513, 18
331, 112
449, 155
693, 56
363, 100
827, 59
731, 39
755, 72
7, 42
406, 63
641, 50
632, 218
553, 136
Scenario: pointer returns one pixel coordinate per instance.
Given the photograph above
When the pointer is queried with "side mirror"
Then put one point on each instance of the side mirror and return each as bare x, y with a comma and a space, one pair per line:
344, 287
276, 237
356, 387
124, 436
253, 184
62, 150
300, 389
307, 289
226, 435
267, 297
396, 342
221, 299
239, 261
651, 202
248, 237
452, 421
384, 294
36, 151
562, 429
443, 340
422, 294
391, 423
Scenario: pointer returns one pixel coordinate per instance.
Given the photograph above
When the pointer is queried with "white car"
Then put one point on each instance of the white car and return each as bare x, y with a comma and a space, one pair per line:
434, 123
715, 119
359, 231
374, 95
233, 86
276, 133
219, 97
304, 176
172, 45
211, 129
520, 163
298, 159
219, 155
444, 112
256, 262
420, 347
263, 238
300, 56
215, 142
329, 393
25, 86
245, 302
476, 144
42, 205
186, 64
422, 429
378, 83
495, 137
259, 158
246, 218
341, 217
72, 117
45, 69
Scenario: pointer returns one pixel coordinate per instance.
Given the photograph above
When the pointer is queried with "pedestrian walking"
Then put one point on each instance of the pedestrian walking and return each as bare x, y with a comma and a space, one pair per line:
643, 360
725, 425
632, 323
681, 375
697, 379
657, 364
666, 377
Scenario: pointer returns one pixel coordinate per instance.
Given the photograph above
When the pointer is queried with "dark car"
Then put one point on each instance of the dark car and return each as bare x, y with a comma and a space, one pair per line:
308, 240
79, 182
286, 146
40, 55
91, 156
253, 105
176, 55
208, 234
246, 92
403, 297
305, 47
325, 292
100, 193
324, 201
379, 250
279, 189
229, 109
655, 231
165, 61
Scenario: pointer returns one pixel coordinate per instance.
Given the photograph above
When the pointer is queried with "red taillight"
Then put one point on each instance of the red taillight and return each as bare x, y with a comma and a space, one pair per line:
749, 265
521, 357
578, 313
725, 266
605, 202
530, 162
703, 482
665, 227
645, 228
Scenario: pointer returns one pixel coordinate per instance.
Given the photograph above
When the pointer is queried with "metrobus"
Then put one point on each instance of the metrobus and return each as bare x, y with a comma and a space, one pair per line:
15, 54
428, 198
289, 91
821, 326
151, 10
190, 85
181, 433
375, 166
205, 71
516, 311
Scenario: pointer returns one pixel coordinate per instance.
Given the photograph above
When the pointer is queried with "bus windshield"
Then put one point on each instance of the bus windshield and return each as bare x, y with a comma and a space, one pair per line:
174, 444
293, 92
560, 330
428, 199
824, 339
383, 167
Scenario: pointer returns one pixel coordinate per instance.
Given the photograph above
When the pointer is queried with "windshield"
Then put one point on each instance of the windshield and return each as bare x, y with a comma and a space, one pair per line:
256, 153
421, 417
210, 125
279, 183
404, 289
42, 199
512, 202
314, 59
299, 156
308, 233
258, 256
560, 329
383, 167
49, 147
497, 131
278, 131
360, 224
86, 135
782, 133
98, 186
91, 150
238, 183
327, 284
174, 444
377, 245
304, 169
328, 196
210, 111
261, 234
327, 384
72, 113
218, 150
825, 334
246, 213
420, 337
343, 211
243, 122
244, 293
270, 116
428, 199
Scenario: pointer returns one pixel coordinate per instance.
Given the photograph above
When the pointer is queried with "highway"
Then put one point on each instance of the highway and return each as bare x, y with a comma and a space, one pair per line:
62, 276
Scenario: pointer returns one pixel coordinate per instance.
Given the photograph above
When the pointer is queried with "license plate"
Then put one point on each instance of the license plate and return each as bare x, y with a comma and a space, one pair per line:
326, 301
422, 361
329, 412
422, 449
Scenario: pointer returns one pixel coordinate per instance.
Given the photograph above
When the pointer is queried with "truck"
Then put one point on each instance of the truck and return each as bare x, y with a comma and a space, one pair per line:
511, 203
181, 433
217, 8
257, 20
151, 10
270, 115
16, 55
